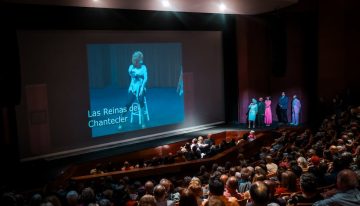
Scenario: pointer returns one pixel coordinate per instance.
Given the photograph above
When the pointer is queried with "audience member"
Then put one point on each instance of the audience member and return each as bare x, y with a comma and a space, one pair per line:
216, 190
160, 196
187, 198
147, 200
309, 192
231, 188
346, 193
259, 193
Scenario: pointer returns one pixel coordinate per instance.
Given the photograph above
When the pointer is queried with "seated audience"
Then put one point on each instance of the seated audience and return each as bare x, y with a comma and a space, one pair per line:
97, 170
309, 192
126, 166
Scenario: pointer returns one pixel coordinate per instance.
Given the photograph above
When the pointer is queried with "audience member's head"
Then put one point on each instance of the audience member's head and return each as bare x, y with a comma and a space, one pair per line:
260, 170
195, 188
106, 202
288, 180
301, 161
149, 188
195, 179
160, 193
36, 200
214, 167
245, 173
224, 178
72, 198
315, 160
308, 183
271, 187
202, 169
333, 149
216, 187
187, 198
167, 184
347, 180
232, 171
186, 181
87, 196
297, 170
147, 200
268, 159
259, 193
231, 183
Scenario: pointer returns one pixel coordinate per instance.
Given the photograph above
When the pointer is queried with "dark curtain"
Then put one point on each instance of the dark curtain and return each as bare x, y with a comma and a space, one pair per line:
108, 64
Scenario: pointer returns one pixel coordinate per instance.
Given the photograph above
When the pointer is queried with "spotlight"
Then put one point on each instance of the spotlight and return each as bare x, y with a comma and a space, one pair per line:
222, 7
166, 3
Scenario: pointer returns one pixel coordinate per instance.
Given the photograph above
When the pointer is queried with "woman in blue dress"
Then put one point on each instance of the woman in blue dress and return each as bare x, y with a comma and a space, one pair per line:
253, 110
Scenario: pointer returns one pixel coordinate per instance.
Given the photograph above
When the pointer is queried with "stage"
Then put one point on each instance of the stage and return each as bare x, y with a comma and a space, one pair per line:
43, 171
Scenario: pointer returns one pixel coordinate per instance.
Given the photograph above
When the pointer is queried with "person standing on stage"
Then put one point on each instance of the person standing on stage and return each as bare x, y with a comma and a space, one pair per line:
253, 110
295, 110
268, 114
261, 112
138, 79
283, 106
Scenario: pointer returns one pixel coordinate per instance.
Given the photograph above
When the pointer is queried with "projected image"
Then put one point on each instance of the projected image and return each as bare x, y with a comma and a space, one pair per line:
134, 86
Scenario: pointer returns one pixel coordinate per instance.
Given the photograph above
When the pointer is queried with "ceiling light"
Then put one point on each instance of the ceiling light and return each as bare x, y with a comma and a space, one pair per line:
222, 7
166, 3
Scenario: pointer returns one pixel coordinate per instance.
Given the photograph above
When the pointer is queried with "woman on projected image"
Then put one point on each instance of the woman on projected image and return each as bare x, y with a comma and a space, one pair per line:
137, 88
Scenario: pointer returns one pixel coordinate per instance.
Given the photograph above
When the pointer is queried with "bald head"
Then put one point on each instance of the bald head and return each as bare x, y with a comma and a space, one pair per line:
149, 187
224, 178
333, 149
231, 183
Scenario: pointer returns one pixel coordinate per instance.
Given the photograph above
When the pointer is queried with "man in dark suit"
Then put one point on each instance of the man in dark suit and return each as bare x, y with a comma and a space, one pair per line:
283, 106
261, 112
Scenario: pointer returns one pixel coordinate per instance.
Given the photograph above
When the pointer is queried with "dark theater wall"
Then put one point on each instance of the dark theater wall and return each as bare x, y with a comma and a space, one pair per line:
339, 43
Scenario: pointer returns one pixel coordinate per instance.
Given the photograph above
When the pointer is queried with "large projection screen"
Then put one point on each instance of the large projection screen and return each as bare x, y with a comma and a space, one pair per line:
78, 94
